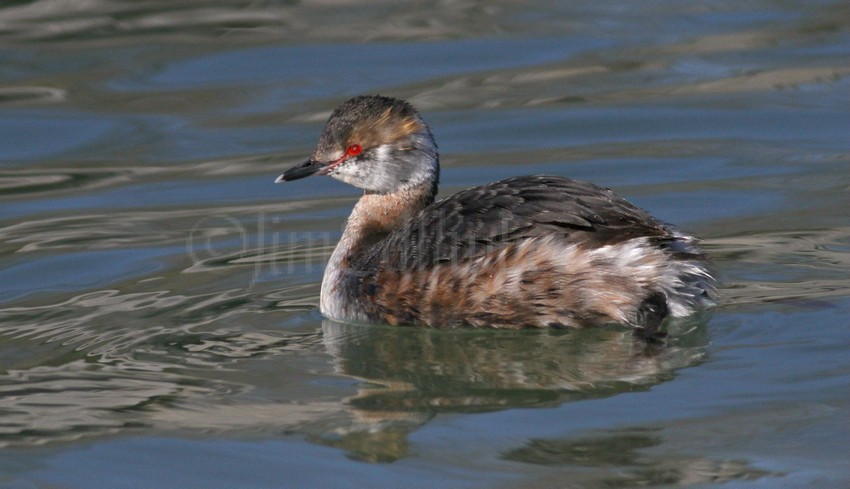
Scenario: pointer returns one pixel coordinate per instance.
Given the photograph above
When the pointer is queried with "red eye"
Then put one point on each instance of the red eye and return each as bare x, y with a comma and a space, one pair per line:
354, 150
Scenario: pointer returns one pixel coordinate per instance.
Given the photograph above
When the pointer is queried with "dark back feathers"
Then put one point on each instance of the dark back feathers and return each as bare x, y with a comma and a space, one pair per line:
479, 219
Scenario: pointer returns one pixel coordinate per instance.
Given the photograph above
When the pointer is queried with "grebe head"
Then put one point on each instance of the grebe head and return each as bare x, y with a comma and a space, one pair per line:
378, 144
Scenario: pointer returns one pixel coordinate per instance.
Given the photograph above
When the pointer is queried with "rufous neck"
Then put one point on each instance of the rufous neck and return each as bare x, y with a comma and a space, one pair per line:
376, 215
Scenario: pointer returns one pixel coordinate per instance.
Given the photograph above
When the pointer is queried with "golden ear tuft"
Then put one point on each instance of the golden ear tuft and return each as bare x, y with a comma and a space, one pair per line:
410, 126
384, 117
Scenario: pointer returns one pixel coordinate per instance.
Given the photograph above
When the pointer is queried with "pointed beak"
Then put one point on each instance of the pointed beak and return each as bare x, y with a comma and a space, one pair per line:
302, 170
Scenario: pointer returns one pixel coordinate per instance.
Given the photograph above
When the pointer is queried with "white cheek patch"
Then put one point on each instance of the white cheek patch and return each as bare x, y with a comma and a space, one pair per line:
383, 175
348, 172
382, 153
388, 169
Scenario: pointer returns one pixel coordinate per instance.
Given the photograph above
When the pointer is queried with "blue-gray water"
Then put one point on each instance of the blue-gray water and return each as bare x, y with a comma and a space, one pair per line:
158, 323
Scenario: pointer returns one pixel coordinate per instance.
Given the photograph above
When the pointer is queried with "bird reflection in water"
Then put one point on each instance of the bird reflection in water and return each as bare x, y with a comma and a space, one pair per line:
409, 375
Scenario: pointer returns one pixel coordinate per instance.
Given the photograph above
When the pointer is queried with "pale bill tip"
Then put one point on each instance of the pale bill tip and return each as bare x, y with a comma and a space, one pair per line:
279, 179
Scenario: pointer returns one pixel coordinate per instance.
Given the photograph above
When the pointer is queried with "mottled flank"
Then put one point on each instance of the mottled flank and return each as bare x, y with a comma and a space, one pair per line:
534, 251
537, 282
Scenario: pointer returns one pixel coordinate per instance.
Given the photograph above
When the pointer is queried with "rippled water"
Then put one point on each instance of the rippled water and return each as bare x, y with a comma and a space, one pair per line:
158, 323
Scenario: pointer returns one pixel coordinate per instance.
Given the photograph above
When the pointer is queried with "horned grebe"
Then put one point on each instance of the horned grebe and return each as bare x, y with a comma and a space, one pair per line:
532, 251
